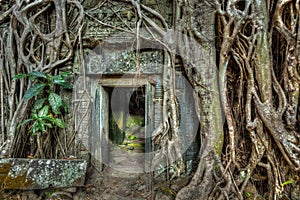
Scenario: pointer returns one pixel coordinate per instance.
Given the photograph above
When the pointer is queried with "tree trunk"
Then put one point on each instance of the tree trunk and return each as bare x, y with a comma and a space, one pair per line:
202, 71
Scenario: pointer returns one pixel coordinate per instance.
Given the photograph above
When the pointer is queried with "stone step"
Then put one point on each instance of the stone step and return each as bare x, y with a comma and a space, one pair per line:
122, 172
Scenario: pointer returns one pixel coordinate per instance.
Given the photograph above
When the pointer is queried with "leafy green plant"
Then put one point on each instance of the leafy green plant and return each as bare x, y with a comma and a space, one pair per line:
48, 105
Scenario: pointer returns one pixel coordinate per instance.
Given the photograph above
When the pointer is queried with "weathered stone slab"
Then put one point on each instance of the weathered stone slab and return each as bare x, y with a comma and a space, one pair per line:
27, 174
120, 59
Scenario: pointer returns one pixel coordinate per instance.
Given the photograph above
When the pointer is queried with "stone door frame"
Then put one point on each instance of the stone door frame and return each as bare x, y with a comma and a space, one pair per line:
99, 144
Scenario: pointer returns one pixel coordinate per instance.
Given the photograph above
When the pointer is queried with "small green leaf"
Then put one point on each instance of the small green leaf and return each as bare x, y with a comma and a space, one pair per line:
55, 102
64, 74
44, 111
19, 76
58, 122
57, 77
48, 125
62, 83
287, 182
131, 137
24, 122
48, 118
34, 90
37, 74
38, 104
61, 75
247, 194
35, 128
59, 80
34, 116
41, 126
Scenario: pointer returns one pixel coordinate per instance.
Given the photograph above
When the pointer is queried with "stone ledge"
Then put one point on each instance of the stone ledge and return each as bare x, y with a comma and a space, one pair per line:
35, 174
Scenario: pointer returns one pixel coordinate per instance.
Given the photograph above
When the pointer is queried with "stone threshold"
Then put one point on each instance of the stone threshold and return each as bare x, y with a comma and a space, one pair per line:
36, 174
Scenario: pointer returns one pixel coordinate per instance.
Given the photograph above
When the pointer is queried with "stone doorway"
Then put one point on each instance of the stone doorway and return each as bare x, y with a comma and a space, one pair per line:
122, 124
127, 128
